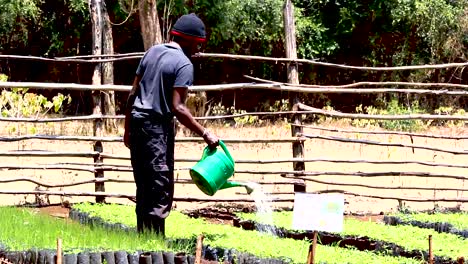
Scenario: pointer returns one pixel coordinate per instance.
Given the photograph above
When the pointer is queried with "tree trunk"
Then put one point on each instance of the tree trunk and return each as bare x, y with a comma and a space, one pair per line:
293, 78
149, 23
108, 71
96, 21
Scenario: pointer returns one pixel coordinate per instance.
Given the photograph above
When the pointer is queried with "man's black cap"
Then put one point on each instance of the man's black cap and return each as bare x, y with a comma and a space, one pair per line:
189, 27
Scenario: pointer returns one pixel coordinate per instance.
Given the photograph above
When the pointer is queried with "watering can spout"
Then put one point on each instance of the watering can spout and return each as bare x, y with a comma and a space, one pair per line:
230, 184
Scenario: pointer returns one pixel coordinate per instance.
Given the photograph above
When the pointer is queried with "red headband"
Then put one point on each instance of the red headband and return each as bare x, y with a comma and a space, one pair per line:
188, 37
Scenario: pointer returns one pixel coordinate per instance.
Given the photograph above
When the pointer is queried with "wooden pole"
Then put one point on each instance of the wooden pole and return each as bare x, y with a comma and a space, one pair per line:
97, 28
198, 252
312, 249
293, 78
108, 102
99, 173
59, 251
431, 254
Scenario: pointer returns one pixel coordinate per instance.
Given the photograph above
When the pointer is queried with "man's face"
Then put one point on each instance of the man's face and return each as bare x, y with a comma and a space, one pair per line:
191, 47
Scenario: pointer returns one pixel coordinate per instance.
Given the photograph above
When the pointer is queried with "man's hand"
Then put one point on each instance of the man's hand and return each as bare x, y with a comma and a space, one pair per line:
211, 139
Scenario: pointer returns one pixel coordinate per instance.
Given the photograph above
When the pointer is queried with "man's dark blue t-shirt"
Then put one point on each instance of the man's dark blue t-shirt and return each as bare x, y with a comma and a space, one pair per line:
162, 68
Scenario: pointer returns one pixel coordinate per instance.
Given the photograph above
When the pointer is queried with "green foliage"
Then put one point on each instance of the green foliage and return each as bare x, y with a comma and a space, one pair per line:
78, 6
24, 229
51, 26
181, 226
435, 22
409, 237
19, 103
392, 108
15, 18
312, 38
219, 110
243, 26
458, 220
449, 110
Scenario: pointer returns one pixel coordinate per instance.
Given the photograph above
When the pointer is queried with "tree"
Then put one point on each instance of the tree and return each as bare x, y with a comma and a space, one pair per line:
103, 74
15, 20
149, 23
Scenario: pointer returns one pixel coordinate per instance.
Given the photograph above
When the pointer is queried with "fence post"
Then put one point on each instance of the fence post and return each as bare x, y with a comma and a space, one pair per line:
98, 172
293, 77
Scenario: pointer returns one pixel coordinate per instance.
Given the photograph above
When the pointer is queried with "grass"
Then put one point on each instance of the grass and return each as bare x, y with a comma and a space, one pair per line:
458, 220
179, 225
409, 237
24, 229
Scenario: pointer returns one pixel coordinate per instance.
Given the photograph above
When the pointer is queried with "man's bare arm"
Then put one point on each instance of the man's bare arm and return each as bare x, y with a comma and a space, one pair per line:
128, 108
185, 117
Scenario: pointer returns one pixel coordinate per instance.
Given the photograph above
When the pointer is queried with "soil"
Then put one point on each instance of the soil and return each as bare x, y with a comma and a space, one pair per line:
59, 211
367, 218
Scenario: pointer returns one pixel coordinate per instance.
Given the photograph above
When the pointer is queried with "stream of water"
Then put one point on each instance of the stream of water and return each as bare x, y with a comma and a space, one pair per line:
264, 211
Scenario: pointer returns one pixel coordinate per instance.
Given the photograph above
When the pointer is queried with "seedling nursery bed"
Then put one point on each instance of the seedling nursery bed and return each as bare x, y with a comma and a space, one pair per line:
226, 236
224, 215
216, 254
441, 227
83, 255
324, 238
209, 254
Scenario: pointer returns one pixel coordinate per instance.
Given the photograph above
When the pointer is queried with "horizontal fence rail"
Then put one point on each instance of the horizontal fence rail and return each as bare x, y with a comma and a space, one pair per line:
311, 110
380, 187
220, 117
283, 173
305, 160
367, 132
120, 139
139, 55
361, 84
95, 180
333, 65
376, 143
188, 181
230, 200
224, 87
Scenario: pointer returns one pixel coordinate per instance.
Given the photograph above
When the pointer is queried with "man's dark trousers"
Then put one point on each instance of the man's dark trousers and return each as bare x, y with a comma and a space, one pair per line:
152, 155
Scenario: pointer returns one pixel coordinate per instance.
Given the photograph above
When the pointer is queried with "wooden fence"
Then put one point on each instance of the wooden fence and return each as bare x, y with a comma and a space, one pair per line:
105, 162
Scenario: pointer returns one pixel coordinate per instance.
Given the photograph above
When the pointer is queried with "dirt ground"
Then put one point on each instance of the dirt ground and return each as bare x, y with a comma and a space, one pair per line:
314, 148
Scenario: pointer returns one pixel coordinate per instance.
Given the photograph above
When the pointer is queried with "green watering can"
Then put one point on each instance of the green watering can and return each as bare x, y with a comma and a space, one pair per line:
214, 169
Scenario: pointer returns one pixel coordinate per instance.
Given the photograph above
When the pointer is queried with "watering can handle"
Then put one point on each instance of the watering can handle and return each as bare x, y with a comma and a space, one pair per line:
223, 146
207, 150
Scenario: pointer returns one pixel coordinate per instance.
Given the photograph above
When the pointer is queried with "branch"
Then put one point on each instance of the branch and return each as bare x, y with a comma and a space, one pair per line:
360, 84
232, 200
367, 174
62, 119
375, 143
41, 153
381, 132
313, 110
223, 87
45, 167
379, 187
67, 86
340, 66
70, 59
128, 196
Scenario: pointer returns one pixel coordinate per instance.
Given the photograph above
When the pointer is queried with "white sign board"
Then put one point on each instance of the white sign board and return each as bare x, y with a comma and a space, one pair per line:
318, 212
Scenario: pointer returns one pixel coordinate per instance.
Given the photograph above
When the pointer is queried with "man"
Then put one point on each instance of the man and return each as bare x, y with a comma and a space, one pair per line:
159, 93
